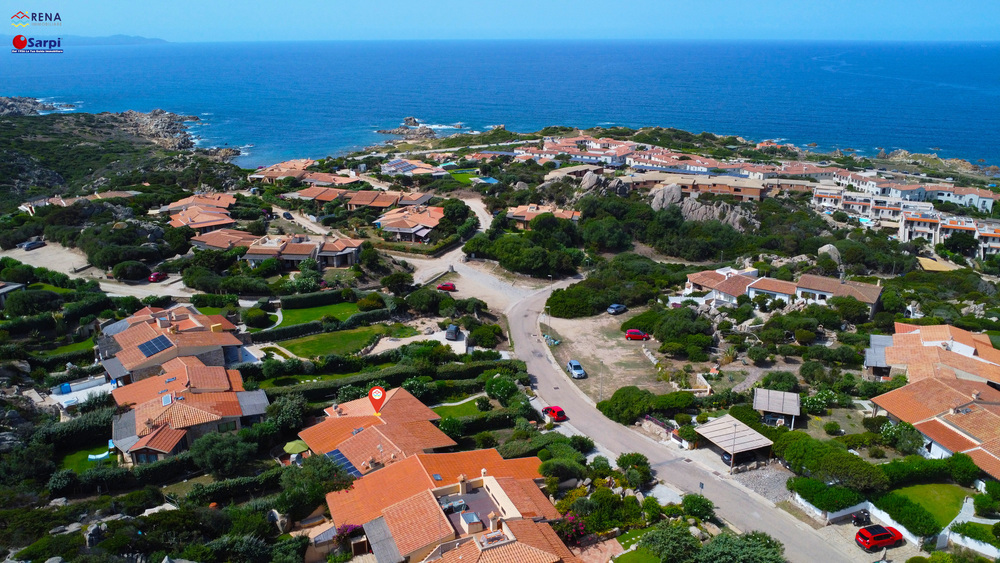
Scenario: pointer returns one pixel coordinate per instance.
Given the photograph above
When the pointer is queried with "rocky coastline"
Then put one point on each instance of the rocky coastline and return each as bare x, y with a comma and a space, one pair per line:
20, 105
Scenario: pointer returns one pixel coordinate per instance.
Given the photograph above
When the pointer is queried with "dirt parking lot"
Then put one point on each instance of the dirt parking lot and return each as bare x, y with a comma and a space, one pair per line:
600, 347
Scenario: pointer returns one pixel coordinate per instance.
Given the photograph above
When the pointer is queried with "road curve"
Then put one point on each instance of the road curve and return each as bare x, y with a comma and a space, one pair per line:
745, 511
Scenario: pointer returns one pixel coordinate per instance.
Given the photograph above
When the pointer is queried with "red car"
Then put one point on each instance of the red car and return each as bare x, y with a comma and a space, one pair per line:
555, 413
871, 538
635, 334
157, 277
448, 286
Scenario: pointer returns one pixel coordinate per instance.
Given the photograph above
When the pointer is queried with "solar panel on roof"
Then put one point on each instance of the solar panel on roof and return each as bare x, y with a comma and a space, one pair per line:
338, 459
155, 346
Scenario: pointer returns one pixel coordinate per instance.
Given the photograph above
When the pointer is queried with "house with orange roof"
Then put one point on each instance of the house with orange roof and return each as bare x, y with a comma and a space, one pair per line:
411, 224
773, 289
289, 169
225, 201
289, 250
325, 179
708, 280
818, 289
404, 167
429, 504
202, 219
319, 193
223, 239
523, 214
164, 414
362, 442
136, 347
372, 198
339, 252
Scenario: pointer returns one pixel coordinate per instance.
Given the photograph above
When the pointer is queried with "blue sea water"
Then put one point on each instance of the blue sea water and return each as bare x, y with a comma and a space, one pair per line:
314, 99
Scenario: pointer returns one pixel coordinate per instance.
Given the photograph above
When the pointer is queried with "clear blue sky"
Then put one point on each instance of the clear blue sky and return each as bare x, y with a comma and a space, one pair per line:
297, 20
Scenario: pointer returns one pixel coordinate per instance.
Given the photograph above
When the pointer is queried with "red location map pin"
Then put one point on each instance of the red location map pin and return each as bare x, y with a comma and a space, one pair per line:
377, 396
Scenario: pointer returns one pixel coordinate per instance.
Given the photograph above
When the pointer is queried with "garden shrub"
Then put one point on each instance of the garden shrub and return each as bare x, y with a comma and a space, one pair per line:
217, 300
682, 419
822, 496
238, 487
909, 514
832, 428
309, 300
287, 332
256, 318
978, 533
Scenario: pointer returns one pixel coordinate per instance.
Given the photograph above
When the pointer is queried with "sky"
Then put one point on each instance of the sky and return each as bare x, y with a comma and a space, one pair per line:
312, 20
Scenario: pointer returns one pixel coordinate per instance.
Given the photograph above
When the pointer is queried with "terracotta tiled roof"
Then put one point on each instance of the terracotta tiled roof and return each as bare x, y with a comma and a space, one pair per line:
919, 359
224, 239
405, 217
163, 439
515, 552
362, 450
198, 217
208, 378
181, 363
417, 522
774, 286
367, 496
205, 338
979, 421
927, 398
945, 435
208, 200
149, 388
471, 463
178, 414
221, 404
708, 278
528, 498
864, 292
735, 285
399, 406
415, 436
541, 536
327, 435
986, 461
340, 244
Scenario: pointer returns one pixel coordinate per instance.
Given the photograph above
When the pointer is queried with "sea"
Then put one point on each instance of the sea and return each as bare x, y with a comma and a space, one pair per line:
285, 100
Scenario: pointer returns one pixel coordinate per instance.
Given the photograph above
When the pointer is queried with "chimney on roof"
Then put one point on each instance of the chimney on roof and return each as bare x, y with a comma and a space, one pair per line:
975, 396
483, 472
494, 521
162, 323
463, 485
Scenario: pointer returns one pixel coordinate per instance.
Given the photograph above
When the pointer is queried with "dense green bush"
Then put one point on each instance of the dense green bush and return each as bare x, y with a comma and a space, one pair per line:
822, 496
92, 427
238, 487
909, 514
627, 404
130, 270
215, 300
256, 318
308, 300
287, 332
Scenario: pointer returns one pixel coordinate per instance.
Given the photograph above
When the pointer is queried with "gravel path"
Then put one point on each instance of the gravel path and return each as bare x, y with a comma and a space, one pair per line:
768, 482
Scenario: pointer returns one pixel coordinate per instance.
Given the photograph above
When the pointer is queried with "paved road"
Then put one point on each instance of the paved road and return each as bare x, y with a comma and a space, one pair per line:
744, 510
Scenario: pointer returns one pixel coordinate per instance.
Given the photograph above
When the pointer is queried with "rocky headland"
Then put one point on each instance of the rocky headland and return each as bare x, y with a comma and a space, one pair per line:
19, 105
158, 126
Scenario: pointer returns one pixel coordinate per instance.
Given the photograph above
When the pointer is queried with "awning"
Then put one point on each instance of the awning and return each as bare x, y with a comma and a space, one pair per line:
769, 400
732, 435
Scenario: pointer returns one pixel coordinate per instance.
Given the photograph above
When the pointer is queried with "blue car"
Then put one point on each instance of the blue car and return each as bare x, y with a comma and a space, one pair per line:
617, 309
575, 369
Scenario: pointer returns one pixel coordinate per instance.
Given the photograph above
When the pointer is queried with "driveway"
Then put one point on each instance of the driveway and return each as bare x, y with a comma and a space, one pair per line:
742, 508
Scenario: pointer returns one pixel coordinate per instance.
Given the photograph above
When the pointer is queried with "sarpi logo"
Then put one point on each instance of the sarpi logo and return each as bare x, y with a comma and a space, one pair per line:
22, 19
24, 44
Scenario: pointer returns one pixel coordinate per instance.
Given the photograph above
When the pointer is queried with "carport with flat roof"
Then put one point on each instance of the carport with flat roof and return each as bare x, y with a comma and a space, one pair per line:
732, 436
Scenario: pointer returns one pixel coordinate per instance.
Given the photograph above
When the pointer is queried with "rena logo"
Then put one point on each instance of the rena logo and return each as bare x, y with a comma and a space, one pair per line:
20, 19
20, 42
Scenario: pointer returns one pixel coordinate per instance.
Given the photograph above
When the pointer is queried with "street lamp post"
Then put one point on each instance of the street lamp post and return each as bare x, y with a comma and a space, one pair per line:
732, 454
550, 278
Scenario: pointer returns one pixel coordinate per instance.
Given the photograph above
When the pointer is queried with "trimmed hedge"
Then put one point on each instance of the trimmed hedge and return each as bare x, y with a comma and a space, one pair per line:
475, 369
307, 300
286, 332
421, 250
324, 390
530, 447
89, 428
160, 472
976, 532
239, 487
23, 325
909, 514
823, 497
364, 319
213, 300
491, 420
59, 361
443, 388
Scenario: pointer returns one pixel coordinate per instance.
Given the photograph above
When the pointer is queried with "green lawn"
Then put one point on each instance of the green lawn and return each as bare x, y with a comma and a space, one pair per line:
210, 310
77, 461
463, 178
943, 501
343, 341
462, 409
632, 536
75, 347
638, 556
47, 287
299, 316
275, 351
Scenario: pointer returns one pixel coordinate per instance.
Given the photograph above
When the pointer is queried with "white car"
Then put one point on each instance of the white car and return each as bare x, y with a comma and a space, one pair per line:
575, 369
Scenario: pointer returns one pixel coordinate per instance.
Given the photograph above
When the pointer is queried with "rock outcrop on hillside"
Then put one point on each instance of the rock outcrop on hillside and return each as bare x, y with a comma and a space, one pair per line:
597, 184
158, 126
19, 105
410, 133
662, 197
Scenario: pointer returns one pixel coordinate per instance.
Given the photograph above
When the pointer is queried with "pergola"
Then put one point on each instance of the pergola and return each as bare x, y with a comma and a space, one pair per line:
732, 435
769, 400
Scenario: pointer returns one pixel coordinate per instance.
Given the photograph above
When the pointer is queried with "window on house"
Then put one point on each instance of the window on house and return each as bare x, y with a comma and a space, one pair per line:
227, 426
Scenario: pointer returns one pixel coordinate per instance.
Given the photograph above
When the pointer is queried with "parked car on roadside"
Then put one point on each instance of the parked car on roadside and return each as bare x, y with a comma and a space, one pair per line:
157, 277
452, 333
31, 245
575, 369
617, 309
287, 215
635, 334
447, 286
555, 413
871, 538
